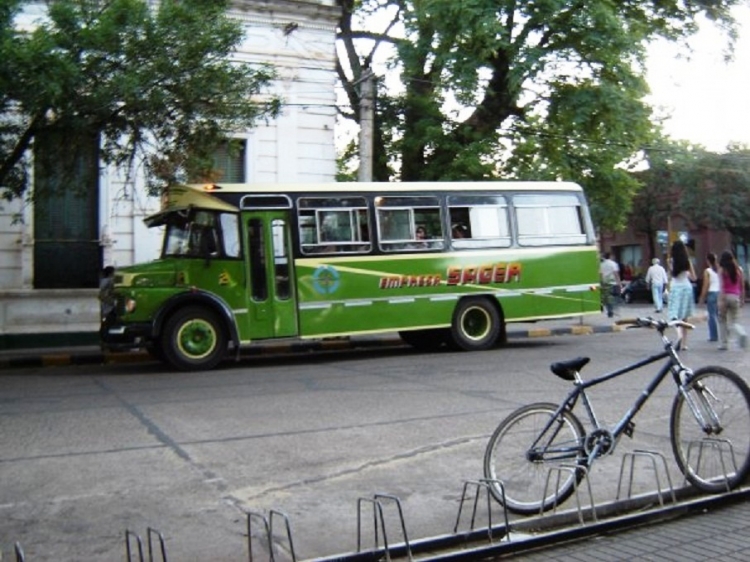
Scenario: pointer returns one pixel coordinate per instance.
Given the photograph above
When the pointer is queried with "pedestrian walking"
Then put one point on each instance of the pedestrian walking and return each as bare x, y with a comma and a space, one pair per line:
106, 298
731, 298
681, 298
710, 296
656, 278
609, 273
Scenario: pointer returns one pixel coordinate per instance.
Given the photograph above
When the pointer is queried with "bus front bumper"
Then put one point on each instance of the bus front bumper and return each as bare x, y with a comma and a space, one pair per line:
125, 336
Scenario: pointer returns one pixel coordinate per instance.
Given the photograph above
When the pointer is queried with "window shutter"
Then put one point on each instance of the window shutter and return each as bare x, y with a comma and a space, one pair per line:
67, 254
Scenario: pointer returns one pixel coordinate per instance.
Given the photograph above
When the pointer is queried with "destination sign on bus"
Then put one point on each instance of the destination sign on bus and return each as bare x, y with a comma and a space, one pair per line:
487, 274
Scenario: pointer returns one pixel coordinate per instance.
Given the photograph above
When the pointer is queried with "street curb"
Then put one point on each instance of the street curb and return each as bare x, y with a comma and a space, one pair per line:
57, 359
579, 330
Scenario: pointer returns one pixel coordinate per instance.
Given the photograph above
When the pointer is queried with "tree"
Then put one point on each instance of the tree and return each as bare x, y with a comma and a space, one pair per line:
538, 89
715, 190
155, 85
659, 196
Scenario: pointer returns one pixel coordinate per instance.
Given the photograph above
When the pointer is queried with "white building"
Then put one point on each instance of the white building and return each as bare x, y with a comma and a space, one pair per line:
47, 297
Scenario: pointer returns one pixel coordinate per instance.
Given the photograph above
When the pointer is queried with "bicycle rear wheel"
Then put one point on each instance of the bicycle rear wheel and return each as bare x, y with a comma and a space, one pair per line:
714, 455
526, 458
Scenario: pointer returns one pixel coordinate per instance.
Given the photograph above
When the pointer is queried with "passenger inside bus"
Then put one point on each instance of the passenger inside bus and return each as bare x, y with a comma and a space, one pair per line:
460, 230
423, 240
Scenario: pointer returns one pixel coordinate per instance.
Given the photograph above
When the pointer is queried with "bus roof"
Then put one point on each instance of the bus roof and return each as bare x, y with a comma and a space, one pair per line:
183, 197
207, 196
388, 187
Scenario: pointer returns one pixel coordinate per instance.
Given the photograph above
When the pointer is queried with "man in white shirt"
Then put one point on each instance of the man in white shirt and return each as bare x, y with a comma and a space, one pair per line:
609, 272
657, 279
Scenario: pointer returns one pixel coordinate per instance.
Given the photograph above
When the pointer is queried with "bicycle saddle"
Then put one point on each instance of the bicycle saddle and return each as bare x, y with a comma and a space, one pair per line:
567, 369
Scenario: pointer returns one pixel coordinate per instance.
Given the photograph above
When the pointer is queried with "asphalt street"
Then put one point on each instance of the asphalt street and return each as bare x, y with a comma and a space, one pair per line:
90, 449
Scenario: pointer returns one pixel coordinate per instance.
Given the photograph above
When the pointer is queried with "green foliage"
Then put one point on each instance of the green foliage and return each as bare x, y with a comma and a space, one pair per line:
156, 83
540, 89
715, 190
711, 190
345, 168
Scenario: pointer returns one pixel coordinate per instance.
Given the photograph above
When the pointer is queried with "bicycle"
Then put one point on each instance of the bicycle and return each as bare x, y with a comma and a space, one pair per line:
709, 430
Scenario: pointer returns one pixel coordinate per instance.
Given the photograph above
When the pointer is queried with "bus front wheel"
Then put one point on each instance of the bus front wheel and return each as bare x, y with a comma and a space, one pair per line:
193, 339
476, 324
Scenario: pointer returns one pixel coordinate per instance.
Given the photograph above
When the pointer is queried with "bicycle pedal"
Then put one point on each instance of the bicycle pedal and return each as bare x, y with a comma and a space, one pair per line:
629, 429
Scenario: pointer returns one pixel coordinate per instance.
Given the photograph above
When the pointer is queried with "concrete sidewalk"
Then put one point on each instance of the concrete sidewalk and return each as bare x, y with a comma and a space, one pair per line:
93, 355
713, 529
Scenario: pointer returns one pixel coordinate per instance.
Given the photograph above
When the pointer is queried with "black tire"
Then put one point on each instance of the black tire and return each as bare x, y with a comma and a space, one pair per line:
476, 324
508, 459
425, 340
713, 461
193, 339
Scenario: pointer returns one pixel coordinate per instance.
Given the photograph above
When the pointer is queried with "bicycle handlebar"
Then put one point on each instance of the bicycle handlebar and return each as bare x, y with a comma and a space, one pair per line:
656, 323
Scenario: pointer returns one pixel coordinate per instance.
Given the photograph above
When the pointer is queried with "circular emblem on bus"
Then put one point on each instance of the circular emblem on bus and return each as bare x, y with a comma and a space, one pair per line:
326, 280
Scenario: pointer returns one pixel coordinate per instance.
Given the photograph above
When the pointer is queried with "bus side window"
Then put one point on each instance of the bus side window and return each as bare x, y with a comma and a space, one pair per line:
553, 219
230, 226
460, 223
479, 221
332, 225
409, 223
395, 225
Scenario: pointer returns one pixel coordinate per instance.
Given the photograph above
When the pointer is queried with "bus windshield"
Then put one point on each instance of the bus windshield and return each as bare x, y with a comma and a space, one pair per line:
201, 234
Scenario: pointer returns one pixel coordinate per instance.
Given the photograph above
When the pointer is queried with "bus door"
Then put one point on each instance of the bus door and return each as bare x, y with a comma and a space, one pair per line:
272, 297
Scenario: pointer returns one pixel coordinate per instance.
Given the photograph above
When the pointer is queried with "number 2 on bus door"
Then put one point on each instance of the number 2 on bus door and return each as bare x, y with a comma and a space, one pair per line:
271, 293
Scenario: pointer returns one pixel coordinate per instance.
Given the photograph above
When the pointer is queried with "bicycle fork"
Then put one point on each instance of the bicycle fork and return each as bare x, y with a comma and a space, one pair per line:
701, 408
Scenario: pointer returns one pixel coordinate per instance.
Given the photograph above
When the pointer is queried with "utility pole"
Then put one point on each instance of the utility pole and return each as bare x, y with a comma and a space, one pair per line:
366, 124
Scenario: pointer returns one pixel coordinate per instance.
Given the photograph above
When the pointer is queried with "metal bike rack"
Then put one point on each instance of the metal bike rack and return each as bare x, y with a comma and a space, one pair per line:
483, 484
714, 444
150, 534
559, 470
652, 456
268, 528
377, 512
128, 535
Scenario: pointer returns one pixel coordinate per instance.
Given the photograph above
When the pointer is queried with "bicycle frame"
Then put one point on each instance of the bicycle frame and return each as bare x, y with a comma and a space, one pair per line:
673, 364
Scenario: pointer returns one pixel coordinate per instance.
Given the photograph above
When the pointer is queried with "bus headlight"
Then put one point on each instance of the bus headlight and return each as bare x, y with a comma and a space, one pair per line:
129, 305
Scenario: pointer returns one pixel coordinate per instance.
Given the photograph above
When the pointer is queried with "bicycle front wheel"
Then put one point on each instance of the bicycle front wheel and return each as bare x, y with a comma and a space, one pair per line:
536, 456
710, 429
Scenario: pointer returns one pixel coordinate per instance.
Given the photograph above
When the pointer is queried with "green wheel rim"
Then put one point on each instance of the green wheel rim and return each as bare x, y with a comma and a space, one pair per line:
196, 338
476, 323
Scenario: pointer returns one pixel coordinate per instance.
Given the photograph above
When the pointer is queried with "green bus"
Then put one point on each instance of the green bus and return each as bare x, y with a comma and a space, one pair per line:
442, 264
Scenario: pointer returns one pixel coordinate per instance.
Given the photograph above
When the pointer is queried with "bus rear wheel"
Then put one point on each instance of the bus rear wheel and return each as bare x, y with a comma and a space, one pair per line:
193, 339
476, 324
